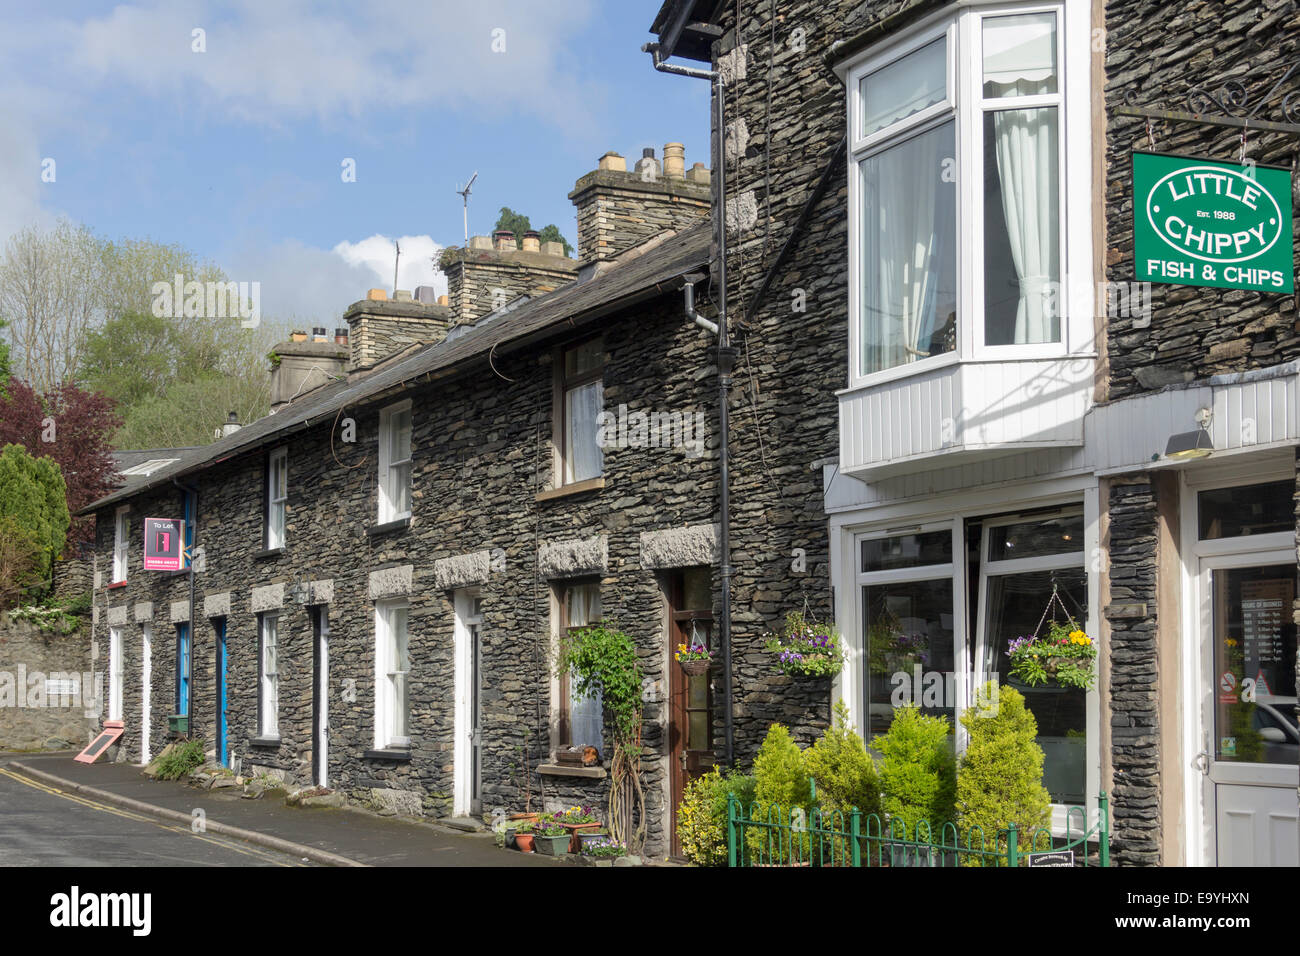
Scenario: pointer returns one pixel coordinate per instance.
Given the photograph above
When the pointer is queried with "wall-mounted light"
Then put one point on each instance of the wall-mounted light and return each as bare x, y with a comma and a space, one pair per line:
1189, 445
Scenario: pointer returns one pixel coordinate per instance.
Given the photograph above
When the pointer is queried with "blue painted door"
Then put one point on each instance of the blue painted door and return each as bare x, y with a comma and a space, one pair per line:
222, 757
182, 669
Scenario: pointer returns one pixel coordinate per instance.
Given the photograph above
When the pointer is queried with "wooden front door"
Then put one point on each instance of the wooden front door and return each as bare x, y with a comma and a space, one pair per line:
690, 720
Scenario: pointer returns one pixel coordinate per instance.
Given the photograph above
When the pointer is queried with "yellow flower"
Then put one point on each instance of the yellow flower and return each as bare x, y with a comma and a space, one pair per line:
1074, 634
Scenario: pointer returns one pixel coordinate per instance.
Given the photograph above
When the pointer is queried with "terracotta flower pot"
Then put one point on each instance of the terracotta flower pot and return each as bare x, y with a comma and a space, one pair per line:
575, 831
524, 842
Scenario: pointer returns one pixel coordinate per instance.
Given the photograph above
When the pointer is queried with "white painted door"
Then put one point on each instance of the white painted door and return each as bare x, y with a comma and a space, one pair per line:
1251, 743
467, 771
146, 679
322, 689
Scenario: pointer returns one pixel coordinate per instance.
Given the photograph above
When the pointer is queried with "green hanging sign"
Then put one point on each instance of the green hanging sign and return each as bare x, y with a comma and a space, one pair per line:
1209, 223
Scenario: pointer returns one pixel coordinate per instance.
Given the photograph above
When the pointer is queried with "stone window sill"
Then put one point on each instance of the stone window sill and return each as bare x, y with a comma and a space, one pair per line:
576, 488
397, 755
268, 554
389, 527
559, 770
264, 742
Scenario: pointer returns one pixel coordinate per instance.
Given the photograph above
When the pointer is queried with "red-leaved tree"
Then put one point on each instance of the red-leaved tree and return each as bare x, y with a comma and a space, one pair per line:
72, 426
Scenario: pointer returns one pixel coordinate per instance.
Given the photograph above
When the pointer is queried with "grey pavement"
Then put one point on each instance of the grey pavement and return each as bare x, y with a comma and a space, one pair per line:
357, 835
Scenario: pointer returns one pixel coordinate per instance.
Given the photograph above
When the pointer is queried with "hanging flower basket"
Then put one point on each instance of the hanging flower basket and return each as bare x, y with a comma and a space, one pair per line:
807, 649
694, 658
1060, 653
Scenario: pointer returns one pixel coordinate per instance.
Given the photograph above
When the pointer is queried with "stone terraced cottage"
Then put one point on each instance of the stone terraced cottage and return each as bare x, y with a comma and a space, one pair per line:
387, 561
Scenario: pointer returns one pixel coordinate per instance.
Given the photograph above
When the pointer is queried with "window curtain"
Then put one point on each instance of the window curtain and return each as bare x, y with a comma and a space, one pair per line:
584, 459
908, 230
1026, 146
584, 711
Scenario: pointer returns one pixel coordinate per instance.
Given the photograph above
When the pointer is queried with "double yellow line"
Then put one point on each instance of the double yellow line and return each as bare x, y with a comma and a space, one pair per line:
141, 818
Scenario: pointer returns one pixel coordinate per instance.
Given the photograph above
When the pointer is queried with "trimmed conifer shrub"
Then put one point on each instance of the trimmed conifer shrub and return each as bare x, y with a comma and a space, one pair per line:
917, 773
1001, 778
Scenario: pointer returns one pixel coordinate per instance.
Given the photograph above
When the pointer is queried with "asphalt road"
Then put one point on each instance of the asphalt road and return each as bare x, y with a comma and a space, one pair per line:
43, 826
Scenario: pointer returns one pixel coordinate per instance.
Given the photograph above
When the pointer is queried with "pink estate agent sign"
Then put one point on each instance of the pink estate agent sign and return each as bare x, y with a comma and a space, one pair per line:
163, 542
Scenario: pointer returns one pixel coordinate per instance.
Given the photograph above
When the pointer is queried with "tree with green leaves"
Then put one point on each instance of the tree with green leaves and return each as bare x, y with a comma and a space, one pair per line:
519, 224
33, 502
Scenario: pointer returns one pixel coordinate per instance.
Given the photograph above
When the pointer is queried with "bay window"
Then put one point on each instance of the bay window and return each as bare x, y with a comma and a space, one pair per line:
956, 202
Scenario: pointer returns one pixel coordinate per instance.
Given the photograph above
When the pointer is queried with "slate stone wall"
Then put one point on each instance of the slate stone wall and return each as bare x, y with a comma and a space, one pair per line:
1133, 690
1156, 52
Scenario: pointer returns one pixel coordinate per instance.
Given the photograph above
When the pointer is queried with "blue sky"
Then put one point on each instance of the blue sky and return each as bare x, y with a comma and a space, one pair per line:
235, 152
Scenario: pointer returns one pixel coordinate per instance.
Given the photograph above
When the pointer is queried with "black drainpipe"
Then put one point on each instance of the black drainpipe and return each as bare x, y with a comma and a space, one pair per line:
726, 363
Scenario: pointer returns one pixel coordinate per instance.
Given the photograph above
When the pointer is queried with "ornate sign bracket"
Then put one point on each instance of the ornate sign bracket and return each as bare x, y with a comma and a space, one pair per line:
1230, 101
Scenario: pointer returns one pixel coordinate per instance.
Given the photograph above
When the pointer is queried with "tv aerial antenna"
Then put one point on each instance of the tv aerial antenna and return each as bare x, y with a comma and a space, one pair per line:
464, 195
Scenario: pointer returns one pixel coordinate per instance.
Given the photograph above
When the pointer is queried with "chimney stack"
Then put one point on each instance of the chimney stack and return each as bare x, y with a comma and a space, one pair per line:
378, 328
618, 209
231, 425
492, 273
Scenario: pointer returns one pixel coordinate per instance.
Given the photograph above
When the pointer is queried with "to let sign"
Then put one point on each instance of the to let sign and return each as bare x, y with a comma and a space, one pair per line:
163, 540
1209, 223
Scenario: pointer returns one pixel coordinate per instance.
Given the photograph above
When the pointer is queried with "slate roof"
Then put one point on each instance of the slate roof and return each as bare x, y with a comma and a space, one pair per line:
653, 273
135, 457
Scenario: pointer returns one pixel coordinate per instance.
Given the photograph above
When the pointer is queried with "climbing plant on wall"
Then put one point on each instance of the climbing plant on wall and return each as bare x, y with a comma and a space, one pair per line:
604, 657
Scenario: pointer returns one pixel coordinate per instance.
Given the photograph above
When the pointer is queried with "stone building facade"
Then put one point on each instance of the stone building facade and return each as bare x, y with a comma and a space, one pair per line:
495, 525
952, 446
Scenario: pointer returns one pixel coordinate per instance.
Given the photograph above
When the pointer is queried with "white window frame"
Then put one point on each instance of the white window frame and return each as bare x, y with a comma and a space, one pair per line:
386, 723
962, 27
268, 710
116, 673
920, 516
565, 474
387, 464
121, 543
276, 498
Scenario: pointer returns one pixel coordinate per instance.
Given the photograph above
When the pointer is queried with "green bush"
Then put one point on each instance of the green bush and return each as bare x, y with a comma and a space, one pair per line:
33, 496
781, 784
181, 760
917, 772
702, 815
1001, 779
845, 773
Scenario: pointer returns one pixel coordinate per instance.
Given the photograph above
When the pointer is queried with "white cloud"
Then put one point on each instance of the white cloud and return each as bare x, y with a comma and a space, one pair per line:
304, 286
416, 267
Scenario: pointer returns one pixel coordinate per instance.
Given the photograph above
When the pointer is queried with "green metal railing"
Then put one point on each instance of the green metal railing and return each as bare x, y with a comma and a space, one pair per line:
807, 836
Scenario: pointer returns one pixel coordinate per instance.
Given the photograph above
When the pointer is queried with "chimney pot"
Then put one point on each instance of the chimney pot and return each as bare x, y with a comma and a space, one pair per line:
553, 248
317, 335
297, 335
674, 160
401, 295
480, 242
377, 295
648, 153
444, 300
505, 240
425, 294
698, 173
341, 336
614, 161
532, 241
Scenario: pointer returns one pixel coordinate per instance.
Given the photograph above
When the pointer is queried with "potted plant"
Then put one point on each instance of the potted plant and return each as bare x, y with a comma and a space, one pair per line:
524, 836
694, 658
807, 649
576, 820
551, 839
603, 852
590, 838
